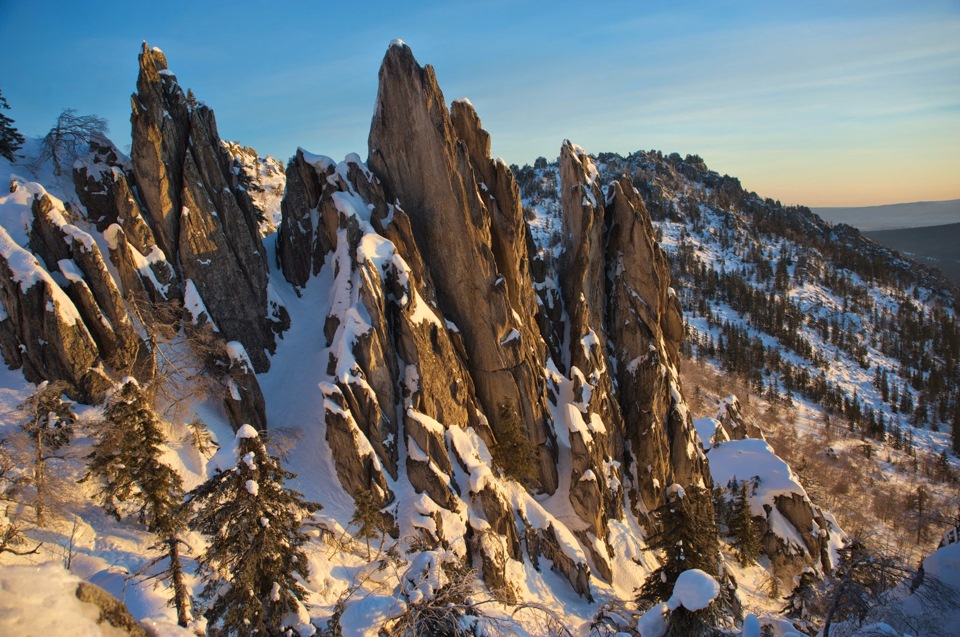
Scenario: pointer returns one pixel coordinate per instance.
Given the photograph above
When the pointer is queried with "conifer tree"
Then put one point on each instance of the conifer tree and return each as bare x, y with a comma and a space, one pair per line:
127, 459
49, 425
800, 601
10, 138
367, 518
254, 524
688, 536
741, 527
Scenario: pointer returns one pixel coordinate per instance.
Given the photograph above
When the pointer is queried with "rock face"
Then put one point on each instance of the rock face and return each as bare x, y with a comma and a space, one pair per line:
74, 254
416, 152
41, 329
443, 356
203, 220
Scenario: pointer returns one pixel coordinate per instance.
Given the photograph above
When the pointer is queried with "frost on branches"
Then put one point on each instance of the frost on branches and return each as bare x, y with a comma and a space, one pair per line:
256, 561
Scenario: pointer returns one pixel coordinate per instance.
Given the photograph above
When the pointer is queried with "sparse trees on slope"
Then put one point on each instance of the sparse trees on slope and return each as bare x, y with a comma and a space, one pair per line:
254, 524
49, 426
70, 136
955, 428
10, 138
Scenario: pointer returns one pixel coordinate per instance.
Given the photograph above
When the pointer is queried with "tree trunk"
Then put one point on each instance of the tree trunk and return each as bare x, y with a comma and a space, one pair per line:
38, 478
181, 598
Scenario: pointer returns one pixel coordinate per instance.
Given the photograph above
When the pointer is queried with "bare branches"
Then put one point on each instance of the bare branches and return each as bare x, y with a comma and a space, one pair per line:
70, 136
11, 535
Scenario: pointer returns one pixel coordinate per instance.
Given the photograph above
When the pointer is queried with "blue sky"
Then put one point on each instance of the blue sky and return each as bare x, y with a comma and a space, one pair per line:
820, 103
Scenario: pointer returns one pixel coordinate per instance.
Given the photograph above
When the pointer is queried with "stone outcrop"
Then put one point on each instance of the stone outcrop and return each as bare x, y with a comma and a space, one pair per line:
202, 218
438, 341
41, 330
416, 152
73, 253
303, 238
644, 321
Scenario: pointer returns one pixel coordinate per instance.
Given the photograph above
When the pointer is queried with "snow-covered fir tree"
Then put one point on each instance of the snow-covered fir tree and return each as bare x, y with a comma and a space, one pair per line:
127, 461
256, 552
800, 601
688, 538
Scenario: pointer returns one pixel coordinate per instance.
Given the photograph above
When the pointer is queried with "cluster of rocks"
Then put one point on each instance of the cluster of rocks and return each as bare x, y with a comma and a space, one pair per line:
448, 335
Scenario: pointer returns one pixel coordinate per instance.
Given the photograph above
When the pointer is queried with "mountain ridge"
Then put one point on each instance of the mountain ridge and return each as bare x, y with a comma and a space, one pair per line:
510, 406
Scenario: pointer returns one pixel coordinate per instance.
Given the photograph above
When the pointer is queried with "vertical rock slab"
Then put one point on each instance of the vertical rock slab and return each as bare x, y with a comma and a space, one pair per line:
415, 151
41, 329
203, 220
644, 323
302, 240
71, 251
160, 129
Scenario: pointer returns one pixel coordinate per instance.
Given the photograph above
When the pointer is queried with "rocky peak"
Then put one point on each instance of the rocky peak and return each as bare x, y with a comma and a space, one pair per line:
203, 219
416, 152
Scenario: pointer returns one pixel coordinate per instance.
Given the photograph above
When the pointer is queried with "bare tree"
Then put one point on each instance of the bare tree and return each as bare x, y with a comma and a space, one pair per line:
70, 136
49, 425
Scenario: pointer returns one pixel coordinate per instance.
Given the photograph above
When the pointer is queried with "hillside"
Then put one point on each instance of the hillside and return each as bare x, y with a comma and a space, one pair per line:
427, 394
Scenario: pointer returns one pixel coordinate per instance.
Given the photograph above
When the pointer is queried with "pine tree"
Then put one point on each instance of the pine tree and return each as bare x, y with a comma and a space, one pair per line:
367, 518
127, 458
256, 542
514, 453
687, 535
10, 138
49, 425
741, 527
800, 601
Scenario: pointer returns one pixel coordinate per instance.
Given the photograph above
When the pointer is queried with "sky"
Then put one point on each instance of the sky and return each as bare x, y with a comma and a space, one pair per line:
841, 103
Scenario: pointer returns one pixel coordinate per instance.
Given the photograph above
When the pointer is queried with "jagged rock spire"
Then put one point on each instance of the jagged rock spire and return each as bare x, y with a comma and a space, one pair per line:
416, 152
203, 220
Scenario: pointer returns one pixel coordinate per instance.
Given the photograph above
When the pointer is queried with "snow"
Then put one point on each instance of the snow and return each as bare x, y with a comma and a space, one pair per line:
247, 431
747, 458
252, 487
193, 302
397, 42
707, 428
751, 626
41, 600
694, 590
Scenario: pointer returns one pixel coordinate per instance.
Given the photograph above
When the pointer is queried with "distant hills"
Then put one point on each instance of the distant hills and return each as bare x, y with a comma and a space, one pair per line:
928, 231
920, 214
